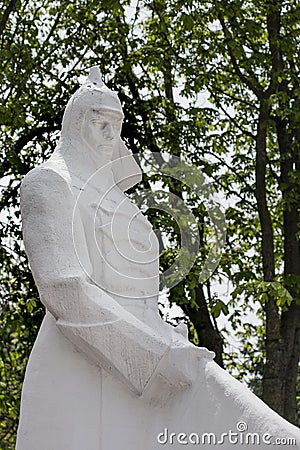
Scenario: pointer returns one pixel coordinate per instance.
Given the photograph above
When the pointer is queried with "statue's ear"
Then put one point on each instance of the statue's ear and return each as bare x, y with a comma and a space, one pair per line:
126, 171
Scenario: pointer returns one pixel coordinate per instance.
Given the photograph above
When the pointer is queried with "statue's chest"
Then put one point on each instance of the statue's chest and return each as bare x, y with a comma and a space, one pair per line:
112, 218
121, 243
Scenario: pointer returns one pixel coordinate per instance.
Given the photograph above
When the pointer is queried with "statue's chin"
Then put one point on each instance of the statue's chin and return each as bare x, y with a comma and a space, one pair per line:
102, 154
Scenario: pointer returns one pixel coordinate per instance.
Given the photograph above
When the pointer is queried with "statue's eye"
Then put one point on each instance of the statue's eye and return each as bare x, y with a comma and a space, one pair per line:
96, 117
96, 113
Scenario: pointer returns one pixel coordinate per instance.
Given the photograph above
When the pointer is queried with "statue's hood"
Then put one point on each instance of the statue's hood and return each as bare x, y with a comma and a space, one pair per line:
93, 94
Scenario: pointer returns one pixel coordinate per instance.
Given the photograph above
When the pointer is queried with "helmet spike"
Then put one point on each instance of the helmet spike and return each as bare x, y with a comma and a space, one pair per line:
95, 76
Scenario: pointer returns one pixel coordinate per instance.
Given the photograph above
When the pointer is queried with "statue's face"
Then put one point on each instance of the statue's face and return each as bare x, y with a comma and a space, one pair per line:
102, 127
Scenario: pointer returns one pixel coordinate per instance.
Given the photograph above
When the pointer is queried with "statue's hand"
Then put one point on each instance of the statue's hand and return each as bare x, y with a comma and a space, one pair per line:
180, 366
177, 370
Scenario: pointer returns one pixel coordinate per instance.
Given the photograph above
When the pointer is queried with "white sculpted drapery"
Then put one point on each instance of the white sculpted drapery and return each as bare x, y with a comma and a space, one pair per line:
106, 372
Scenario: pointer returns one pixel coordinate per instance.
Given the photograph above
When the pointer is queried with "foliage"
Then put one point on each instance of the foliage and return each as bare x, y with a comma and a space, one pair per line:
216, 83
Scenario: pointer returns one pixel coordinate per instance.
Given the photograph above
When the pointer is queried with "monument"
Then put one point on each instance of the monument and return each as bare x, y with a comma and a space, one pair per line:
106, 373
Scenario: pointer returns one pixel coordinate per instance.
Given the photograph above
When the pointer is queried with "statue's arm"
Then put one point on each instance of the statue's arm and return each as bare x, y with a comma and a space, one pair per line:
87, 316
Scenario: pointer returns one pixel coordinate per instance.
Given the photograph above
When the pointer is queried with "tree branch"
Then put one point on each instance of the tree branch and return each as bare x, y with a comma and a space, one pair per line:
233, 97
246, 80
6, 14
273, 27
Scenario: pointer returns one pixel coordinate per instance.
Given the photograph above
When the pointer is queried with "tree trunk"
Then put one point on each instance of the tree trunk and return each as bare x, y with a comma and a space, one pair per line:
273, 388
207, 332
290, 322
208, 335
291, 337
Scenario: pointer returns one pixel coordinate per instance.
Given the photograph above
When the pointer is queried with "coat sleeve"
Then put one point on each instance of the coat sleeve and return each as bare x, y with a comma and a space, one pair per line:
95, 323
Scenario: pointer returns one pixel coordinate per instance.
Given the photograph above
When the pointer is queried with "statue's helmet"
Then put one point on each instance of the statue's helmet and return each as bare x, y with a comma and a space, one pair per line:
93, 94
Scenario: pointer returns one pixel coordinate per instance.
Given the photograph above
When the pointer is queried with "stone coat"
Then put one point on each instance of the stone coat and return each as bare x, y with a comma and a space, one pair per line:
106, 373
83, 388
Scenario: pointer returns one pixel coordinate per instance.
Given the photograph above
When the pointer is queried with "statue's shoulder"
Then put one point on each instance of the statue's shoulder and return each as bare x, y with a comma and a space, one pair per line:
44, 181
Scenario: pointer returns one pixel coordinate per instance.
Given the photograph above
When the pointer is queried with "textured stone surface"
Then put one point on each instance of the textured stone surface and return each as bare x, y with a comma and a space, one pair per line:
106, 372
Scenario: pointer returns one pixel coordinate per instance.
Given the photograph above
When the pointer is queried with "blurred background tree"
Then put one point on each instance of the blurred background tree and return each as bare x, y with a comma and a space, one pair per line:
214, 83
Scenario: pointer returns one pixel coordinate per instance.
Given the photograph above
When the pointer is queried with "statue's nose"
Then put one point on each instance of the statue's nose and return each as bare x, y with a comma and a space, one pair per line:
108, 131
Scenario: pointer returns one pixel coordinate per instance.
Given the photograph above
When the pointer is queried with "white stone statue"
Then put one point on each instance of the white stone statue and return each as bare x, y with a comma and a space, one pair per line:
106, 373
